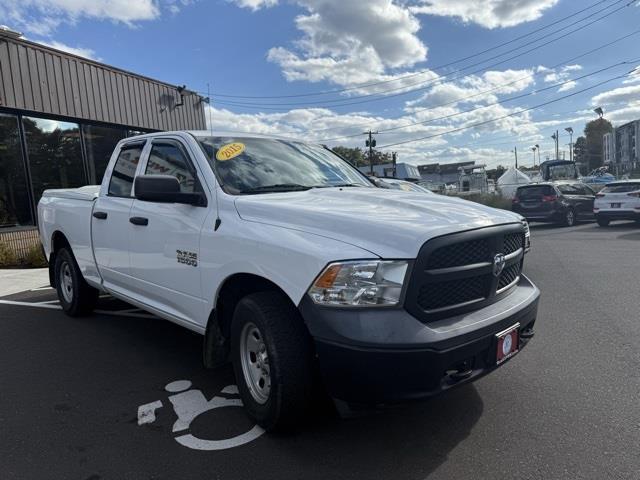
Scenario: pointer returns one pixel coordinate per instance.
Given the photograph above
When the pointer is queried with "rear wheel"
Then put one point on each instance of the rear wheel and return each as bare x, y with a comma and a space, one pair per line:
569, 219
76, 297
271, 353
603, 222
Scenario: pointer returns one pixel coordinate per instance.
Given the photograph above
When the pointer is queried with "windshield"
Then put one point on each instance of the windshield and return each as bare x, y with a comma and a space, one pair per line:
621, 188
259, 165
563, 172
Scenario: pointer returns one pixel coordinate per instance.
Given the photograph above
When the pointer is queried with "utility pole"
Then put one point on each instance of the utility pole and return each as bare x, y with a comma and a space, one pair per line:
371, 142
533, 149
394, 159
516, 153
569, 130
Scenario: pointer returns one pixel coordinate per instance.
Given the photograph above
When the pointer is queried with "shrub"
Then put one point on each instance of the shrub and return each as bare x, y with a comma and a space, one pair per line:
8, 258
35, 258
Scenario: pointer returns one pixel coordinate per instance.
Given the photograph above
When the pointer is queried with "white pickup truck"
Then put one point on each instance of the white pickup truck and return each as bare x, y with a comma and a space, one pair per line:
296, 268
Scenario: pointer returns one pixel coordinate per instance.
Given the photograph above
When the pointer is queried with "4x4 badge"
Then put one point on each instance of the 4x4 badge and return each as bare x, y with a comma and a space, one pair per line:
498, 264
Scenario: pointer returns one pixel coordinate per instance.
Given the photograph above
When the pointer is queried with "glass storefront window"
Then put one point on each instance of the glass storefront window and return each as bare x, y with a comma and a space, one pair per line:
15, 209
99, 143
54, 153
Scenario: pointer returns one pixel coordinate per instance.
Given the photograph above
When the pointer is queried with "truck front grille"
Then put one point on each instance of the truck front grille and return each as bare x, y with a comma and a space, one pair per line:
455, 273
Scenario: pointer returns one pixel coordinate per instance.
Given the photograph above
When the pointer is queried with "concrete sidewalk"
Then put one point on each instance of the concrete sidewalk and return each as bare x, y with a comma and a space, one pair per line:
15, 280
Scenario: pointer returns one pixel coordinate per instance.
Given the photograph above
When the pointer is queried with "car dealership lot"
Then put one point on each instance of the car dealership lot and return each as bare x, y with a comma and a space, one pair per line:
566, 407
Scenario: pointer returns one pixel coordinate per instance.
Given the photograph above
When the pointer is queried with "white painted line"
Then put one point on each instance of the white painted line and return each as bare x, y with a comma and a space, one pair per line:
47, 302
41, 288
230, 389
27, 304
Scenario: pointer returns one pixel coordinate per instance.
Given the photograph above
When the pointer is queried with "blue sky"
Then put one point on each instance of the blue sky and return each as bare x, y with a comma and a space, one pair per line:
393, 65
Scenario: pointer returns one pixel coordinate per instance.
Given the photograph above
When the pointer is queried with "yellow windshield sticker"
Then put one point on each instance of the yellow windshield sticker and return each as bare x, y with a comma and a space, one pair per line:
229, 151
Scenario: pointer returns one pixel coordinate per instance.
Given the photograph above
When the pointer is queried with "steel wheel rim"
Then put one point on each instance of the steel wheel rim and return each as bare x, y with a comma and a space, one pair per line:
66, 282
255, 363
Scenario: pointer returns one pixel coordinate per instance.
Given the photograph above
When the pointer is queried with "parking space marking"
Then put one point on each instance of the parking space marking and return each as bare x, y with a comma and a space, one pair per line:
190, 403
29, 304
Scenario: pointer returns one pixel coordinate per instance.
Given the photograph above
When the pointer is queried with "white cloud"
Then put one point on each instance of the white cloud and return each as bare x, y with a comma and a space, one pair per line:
617, 95
351, 42
487, 13
255, 4
80, 51
570, 85
42, 17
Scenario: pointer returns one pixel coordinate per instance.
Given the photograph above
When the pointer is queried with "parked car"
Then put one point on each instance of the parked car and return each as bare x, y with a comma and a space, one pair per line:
295, 268
618, 201
397, 184
564, 203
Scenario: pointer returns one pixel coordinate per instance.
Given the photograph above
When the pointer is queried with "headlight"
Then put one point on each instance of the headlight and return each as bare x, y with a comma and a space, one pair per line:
360, 284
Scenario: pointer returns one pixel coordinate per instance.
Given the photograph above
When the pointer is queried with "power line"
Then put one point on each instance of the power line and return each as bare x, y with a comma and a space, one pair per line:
378, 96
461, 99
367, 85
500, 102
486, 122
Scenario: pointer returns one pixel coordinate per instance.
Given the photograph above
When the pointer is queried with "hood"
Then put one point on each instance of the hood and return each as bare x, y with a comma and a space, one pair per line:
388, 223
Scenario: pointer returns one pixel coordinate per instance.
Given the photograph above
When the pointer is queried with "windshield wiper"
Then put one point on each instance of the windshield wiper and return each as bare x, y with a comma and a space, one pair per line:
339, 185
278, 187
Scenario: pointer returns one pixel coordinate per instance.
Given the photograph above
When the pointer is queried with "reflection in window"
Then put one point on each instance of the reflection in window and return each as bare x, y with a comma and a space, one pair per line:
124, 170
168, 159
54, 153
99, 143
14, 199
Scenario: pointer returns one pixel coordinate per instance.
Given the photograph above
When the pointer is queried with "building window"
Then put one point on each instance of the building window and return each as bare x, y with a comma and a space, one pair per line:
15, 209
99, 143
55, 158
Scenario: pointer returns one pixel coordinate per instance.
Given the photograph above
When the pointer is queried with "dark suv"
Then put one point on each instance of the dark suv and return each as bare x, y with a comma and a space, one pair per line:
557, 202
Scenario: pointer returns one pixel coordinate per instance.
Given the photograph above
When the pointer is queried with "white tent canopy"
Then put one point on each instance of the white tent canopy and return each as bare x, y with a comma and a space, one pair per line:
510, 180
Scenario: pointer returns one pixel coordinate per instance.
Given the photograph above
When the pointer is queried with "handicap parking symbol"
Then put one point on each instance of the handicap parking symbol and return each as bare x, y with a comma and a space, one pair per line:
188, 404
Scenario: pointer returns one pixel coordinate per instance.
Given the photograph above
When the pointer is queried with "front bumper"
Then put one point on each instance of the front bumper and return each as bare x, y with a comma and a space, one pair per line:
385, 356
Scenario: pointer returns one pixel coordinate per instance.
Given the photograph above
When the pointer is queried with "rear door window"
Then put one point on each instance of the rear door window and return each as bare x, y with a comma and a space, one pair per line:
535, 191
124, 171
569, 190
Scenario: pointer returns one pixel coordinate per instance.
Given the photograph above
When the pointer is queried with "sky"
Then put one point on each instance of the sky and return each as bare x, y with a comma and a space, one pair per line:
440, 80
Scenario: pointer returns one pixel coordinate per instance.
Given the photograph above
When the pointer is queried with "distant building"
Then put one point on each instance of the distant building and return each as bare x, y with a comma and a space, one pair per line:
620, 148
447, 173
403, 171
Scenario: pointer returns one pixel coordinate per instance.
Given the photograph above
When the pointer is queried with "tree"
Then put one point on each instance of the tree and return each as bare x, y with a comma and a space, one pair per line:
594, 131
352, 155
359, 158
580, 151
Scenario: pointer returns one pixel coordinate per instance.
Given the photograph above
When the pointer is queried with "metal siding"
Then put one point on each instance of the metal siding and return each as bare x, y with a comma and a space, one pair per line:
15, 75
8, 97
60, 90
41, 79
25, 73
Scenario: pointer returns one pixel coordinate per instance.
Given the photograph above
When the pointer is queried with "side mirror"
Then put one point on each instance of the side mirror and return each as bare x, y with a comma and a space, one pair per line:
165, 189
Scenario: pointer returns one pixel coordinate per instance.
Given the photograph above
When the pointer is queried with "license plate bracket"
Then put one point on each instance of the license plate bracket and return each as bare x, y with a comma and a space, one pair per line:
507, 343
616, 205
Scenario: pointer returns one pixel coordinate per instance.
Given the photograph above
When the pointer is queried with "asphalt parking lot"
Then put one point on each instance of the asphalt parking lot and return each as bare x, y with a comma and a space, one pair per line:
565, 407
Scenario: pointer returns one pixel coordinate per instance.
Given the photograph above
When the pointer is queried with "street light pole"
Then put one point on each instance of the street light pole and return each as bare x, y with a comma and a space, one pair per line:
533, 149
570, 130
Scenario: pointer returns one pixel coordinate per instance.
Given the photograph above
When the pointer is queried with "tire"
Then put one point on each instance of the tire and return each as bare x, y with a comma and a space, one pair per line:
268, 324
74, 293
603, 222
570, 218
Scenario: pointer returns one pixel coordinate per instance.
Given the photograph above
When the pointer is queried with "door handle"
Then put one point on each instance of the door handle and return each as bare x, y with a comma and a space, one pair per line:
100, 215
139, 221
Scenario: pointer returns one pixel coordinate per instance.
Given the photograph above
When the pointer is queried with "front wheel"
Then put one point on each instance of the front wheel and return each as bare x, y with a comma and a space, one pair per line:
603, 222
271, 353
76, 297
